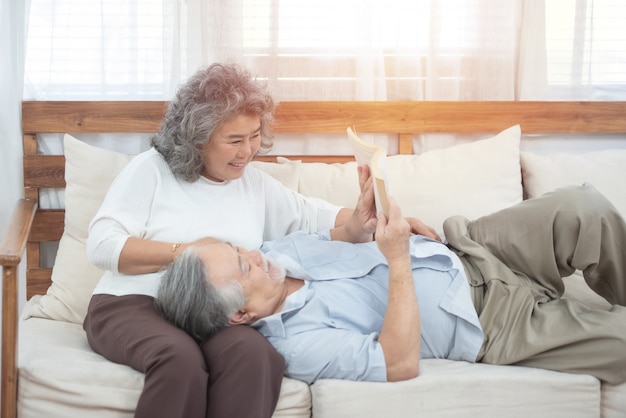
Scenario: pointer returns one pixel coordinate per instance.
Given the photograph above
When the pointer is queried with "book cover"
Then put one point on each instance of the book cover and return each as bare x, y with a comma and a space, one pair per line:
375, 157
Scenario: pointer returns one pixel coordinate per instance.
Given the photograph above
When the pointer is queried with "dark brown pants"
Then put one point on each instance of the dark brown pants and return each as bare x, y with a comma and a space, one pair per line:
237, 373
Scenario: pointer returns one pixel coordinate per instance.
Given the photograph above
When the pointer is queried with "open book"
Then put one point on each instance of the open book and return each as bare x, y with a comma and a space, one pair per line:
375, 157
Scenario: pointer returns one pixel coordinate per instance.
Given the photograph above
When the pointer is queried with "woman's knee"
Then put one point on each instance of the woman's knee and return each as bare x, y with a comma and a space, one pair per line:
241, 344
181, 357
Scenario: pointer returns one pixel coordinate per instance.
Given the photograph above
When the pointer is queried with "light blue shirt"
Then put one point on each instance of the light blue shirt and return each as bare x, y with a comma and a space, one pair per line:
329, 327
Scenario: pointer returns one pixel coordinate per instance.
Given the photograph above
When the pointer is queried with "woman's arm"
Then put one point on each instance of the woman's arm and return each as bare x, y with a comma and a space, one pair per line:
143, 256
115, 241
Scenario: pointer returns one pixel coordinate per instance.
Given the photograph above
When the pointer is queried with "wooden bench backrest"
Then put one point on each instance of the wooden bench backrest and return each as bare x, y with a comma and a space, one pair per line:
401, 118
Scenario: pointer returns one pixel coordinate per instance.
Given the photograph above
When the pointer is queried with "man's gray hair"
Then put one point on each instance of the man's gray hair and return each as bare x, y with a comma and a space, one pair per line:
209, 98
191, 301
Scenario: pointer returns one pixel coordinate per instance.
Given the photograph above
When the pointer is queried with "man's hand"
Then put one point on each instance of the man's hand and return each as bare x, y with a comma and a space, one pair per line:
392, 235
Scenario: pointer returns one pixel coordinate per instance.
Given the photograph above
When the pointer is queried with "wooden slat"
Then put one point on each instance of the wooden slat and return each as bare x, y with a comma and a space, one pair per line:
44, 171
33, 259
92, 116
405, 144
29, 143
333, 117
39, 280
451, 117
31, 193
48, 225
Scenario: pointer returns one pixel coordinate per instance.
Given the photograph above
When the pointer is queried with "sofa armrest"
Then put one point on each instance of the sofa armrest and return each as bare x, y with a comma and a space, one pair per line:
11, 251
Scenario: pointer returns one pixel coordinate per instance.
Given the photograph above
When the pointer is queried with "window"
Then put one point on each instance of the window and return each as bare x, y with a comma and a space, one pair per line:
327, 49
586, 46
110, 49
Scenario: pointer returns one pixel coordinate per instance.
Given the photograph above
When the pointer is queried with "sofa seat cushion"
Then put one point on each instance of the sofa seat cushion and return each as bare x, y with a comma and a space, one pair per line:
60, 376
457, 389
613, 401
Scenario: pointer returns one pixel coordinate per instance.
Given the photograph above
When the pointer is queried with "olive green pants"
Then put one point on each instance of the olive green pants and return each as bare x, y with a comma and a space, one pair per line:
515, 260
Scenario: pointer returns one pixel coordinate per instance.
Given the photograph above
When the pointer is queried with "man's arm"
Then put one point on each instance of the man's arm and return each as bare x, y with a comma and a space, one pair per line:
400, 333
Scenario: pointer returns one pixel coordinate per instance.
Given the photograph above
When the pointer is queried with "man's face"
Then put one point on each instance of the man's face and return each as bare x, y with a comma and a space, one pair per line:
231, 147
261, 279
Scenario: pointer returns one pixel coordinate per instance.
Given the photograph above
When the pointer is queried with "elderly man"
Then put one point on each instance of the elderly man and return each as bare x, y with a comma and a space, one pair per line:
371, 311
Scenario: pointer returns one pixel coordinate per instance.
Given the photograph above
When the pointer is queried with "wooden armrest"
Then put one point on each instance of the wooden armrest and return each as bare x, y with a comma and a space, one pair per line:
11, 250
15, 238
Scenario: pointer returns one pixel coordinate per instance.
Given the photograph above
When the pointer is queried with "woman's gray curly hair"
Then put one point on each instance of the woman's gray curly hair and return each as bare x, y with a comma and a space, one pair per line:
209, 98
191, 301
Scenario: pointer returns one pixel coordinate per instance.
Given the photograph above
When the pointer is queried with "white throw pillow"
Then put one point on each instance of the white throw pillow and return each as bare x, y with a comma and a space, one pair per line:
472, 179
543, 173
286, 171
603, 169
89, 172
337, 183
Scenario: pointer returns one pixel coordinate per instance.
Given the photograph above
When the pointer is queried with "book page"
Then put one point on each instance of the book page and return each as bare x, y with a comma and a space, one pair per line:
375, 157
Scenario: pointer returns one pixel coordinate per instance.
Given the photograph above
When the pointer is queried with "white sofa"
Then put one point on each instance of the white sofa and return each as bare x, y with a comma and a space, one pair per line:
60, 376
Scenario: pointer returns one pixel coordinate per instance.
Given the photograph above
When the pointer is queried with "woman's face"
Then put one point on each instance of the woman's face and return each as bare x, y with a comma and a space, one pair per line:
231, 147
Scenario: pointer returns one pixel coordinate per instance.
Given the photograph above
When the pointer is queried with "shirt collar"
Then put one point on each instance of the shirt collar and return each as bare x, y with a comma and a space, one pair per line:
273, 324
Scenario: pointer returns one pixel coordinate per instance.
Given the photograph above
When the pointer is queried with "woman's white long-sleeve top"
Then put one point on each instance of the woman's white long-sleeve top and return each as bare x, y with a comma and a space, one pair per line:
146, 201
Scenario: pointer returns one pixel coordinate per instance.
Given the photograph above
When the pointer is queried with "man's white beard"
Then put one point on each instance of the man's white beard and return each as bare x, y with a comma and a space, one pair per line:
274, 270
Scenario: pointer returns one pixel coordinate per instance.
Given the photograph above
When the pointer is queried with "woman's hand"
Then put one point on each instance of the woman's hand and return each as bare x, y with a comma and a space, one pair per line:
361, 223
365, 211
420, 228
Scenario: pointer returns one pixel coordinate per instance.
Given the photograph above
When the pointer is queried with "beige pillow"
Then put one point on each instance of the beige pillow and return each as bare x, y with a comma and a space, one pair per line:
472, 179
89, 171
286, 171
336, 183
605, 170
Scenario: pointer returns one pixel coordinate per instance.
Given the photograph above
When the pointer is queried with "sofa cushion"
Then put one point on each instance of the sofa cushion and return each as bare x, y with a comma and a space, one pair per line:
284, 170
613, 400
466, 390
471, 179
61, 376
603, 169
543, 173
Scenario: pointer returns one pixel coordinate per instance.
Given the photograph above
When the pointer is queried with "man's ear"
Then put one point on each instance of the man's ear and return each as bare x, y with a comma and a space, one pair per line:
240, 317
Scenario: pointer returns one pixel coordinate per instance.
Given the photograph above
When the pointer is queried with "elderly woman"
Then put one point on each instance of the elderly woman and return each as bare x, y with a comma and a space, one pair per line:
194, 185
